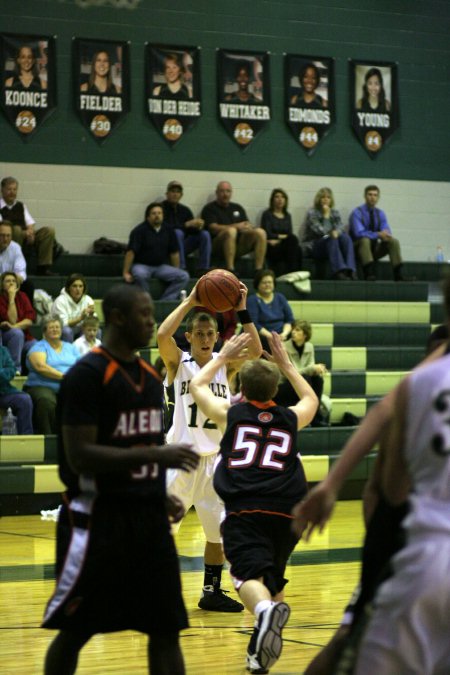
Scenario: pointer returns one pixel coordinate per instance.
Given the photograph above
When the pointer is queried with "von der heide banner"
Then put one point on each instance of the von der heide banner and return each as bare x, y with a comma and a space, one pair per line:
374, 103
101, 76
172, 89
28, 80
243, 89
310, 99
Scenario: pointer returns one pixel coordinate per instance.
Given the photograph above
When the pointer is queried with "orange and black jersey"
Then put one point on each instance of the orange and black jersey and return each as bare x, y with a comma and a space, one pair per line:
259, 467
124, 401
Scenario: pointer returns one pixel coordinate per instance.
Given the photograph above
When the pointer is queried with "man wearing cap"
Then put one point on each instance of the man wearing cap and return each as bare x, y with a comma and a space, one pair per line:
189, 230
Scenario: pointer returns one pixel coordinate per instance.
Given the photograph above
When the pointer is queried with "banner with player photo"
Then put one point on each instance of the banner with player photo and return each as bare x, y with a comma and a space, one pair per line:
310, 98
172, 89
243, 88
374, 103
101, 80
28, 80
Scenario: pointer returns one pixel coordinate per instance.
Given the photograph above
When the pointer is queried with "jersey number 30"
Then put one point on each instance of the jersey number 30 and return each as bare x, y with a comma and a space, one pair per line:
268, 454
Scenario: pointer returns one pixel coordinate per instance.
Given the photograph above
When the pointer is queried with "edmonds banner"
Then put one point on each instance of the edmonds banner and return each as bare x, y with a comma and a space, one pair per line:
172, 89
28, 82
101, 76
244, 93
309, 95
374, 103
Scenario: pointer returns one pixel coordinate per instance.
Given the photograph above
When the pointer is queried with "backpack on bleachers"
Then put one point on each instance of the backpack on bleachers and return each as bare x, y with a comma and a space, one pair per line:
104, 245
42, 303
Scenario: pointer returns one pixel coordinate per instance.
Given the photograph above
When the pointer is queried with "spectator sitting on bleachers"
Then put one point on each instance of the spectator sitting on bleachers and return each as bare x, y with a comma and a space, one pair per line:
12, 259
269, 311
283, 250
24, 233
151, 246
73, 305
16, 317
373, 238
233, 234
190, 231
88, 339
48, 360
301, 354
10, 397
326, 239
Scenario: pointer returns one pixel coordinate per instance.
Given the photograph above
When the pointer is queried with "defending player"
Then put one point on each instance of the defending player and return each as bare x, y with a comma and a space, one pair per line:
259, 476
116, 563
190, 425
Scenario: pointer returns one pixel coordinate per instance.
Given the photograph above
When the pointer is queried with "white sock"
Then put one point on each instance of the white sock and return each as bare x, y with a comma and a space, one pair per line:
261, 606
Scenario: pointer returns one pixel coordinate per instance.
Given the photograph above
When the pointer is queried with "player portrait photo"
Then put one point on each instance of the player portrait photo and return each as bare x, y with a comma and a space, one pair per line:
243, 93
373, 103
101, 84
309, 98
28, 82
172, 89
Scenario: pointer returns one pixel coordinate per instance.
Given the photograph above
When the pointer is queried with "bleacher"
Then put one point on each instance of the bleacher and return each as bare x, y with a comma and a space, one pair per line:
369, 335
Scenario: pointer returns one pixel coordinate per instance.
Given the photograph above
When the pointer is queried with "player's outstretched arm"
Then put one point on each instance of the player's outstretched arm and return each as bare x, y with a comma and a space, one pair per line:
168, 349
211, 406
254, 347
306, 408
85, 455
317, 507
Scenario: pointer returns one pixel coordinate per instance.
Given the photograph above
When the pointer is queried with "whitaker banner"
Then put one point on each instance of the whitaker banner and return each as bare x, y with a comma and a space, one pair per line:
244, 93
309, 95
101, 76
172, 89
374, 103
28, 82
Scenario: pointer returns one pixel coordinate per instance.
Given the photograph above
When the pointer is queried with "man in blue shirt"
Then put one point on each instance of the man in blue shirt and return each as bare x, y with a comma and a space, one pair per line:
190, 231
151, 247
373, 238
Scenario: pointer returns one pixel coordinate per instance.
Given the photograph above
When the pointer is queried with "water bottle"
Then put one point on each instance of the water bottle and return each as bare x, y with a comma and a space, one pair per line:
9, 425
439, 254
183, 295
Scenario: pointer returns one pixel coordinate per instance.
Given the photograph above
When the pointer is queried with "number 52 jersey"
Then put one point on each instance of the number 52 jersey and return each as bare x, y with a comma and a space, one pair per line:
259, 468
189, 424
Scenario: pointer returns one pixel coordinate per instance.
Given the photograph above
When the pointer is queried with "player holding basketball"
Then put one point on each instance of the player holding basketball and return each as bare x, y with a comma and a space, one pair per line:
190, 425
259, 476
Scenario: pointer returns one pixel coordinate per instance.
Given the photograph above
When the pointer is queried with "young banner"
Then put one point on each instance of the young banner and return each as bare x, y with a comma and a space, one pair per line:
244, 93
101, 77
28, 82
172, 89
309, 95
374, 103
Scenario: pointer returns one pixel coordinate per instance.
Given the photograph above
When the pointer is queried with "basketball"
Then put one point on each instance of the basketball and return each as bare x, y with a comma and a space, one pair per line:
219, 290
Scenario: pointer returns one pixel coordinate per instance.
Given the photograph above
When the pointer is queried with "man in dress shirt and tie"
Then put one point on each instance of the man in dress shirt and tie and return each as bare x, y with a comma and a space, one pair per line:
373, 238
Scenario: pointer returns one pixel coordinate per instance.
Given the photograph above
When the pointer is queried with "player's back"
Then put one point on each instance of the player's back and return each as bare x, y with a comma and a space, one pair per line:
427, 447
259, 466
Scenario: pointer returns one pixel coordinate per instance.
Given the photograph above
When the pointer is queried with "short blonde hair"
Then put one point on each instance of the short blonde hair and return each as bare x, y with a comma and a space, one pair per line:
259, 380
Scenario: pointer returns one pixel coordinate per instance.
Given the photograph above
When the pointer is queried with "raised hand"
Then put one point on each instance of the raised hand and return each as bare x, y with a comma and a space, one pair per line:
234, 349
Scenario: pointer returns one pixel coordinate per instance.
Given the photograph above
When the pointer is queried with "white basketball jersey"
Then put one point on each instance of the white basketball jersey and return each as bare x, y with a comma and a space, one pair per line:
189, 424
427, 447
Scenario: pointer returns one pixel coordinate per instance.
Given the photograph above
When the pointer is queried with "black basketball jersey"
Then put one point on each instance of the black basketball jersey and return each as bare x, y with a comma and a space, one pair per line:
259, 467
125, 402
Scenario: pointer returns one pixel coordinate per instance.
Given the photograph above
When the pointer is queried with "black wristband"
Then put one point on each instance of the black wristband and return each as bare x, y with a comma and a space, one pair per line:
244, 316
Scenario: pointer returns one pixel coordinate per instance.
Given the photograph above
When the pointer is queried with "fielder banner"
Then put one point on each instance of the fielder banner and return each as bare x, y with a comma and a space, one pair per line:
244, 93
172, 89
28, 82
309, 96
101, 76
374, 103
